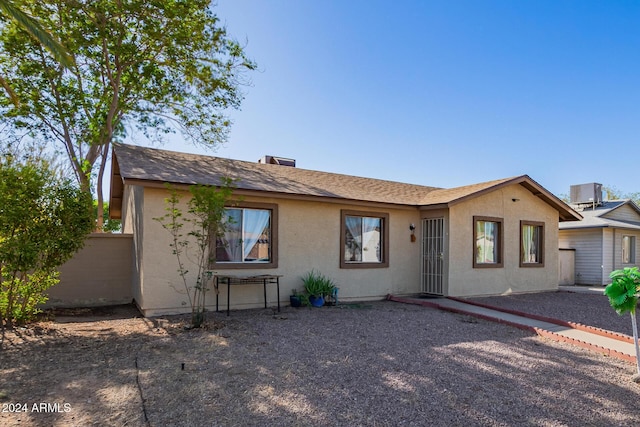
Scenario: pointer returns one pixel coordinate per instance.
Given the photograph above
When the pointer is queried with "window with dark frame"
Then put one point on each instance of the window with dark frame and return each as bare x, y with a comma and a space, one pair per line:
364, 239
487, 242
249, 239
531, 244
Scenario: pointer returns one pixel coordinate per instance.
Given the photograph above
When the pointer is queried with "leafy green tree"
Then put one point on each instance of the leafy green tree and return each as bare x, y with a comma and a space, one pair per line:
43, 221
108, 225
9, 11
612, 193
156, 66
204, 221
623, 293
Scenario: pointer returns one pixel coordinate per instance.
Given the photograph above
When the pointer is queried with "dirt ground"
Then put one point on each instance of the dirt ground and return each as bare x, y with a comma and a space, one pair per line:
381, 363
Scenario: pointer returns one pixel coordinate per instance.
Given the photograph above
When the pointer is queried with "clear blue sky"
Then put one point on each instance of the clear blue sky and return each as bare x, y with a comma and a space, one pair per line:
442, 93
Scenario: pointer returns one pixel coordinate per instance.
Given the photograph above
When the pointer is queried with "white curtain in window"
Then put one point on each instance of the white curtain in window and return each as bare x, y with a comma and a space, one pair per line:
353, 239
371, 251
255, 221
528, 244
232, 239
486, 242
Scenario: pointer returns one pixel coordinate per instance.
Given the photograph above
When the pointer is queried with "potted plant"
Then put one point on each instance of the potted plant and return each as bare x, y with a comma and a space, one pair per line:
317, 286
295, 298
331, 294
314, 288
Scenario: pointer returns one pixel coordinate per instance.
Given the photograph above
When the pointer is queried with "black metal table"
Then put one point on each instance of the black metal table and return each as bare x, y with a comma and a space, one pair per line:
263, 279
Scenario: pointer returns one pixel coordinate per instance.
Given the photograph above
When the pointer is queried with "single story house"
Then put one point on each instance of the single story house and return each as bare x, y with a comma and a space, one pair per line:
372, 237
606, 239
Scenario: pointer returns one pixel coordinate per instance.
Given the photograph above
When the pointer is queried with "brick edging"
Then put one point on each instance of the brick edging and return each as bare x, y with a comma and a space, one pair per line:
540, 332
589, 346
573, 325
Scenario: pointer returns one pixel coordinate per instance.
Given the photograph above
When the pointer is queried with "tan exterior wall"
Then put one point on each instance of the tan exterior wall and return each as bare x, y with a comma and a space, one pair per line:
132, 223
99, 274
309, 238
464, 280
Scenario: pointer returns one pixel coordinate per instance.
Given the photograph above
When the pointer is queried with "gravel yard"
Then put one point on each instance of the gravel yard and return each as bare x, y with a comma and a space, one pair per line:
370, 364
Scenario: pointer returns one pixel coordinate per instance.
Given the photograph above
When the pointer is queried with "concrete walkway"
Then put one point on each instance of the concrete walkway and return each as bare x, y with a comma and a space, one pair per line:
610, 343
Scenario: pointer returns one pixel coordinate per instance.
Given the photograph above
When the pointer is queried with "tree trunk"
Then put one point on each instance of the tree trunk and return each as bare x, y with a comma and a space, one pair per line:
99, 190
635, 339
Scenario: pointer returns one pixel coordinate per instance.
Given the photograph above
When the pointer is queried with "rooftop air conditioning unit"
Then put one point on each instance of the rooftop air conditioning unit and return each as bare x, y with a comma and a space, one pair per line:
586, 193
274, 160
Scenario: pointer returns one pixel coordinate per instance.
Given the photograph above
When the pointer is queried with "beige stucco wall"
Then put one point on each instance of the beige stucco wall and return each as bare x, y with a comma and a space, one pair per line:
309, 238
132, 223
464, 280
99, 274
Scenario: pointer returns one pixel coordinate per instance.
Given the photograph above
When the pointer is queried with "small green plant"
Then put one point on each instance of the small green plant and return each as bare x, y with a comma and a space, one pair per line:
318, 285
204, 221
623, 293
304, 300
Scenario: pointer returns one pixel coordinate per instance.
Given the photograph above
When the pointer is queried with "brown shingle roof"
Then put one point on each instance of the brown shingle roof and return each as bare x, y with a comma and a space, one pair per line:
136, 163
148, 164
449, 195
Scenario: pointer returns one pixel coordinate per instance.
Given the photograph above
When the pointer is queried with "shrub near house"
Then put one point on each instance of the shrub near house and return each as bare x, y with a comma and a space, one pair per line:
44, 220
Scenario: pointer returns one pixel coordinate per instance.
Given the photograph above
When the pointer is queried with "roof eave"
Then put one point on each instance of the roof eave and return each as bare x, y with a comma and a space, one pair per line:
243, 192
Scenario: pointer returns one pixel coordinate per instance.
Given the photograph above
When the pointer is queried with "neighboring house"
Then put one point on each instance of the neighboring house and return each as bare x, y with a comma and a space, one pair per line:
606, 239
373, 237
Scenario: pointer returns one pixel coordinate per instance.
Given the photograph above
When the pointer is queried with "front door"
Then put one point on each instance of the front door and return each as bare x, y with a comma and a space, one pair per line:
433, 256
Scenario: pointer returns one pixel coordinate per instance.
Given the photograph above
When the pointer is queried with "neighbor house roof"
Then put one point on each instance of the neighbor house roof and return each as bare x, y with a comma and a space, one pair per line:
594, 216
150, 166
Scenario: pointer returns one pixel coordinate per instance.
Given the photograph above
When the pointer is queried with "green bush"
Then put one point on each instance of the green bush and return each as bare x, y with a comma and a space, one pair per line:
44, 220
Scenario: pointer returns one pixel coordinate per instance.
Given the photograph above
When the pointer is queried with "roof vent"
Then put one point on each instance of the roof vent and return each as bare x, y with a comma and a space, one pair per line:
586, 194
274, 160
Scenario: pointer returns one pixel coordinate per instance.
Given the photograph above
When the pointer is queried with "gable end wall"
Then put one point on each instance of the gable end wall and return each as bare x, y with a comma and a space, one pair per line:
623, 213
464, 280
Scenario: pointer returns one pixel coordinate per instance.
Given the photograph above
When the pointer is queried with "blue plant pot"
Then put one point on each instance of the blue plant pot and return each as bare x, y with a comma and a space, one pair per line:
295, 301
316, 301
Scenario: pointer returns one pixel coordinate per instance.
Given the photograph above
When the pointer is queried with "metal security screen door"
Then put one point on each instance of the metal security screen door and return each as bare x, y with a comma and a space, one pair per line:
432, 256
